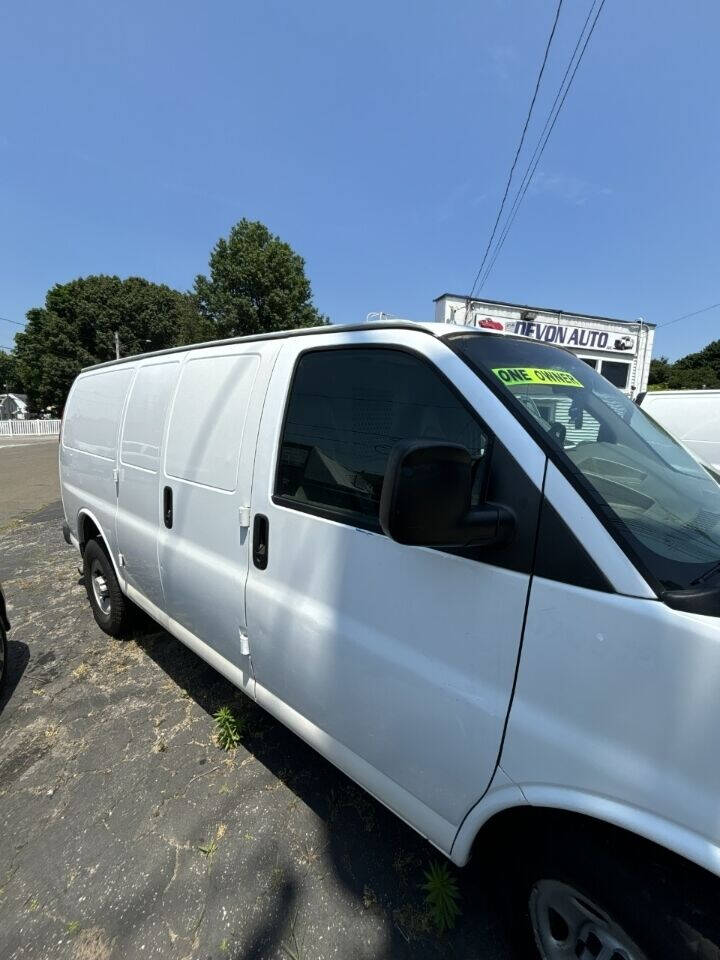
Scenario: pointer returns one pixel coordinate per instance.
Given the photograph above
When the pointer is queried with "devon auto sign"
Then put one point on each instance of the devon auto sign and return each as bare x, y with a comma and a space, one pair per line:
565, 335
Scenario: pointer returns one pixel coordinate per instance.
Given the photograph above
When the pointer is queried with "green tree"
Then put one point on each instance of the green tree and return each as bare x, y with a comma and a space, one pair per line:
709, 356
257, 284
76, 328
10, 381
659, 373
693, 378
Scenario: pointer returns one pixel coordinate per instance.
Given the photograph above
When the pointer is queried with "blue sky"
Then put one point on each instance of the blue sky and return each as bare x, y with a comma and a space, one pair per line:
373, 137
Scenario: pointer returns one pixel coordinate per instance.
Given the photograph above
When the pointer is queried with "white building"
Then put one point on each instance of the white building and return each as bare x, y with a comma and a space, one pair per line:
13, 406
618, 349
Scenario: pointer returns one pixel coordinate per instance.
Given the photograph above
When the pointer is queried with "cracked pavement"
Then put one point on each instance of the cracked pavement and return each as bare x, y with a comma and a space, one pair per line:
127, 832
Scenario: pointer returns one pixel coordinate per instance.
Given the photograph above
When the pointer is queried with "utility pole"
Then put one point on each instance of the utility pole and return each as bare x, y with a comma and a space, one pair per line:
117, 345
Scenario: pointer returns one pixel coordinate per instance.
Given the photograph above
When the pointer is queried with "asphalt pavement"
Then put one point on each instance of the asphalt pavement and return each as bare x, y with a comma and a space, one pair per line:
127, 832
28, 475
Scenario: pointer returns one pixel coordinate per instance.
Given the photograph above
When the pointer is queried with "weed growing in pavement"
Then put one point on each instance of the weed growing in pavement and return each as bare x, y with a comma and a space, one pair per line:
73, 927
441, 896
228, 728
208, 849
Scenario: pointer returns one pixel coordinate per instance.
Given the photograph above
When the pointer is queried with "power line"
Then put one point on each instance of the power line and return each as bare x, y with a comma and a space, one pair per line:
686, 315
542, 143
16, 322
532, 164
519, 147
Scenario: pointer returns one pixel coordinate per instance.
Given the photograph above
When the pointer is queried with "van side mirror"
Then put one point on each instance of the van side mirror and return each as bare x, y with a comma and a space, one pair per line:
425, 499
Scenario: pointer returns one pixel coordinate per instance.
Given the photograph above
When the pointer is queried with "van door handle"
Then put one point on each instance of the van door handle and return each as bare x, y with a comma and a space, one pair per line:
168, 507
260, 541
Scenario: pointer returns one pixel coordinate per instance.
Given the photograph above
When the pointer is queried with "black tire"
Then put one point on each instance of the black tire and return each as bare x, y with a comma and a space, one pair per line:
109, 606
632, 898
3, 660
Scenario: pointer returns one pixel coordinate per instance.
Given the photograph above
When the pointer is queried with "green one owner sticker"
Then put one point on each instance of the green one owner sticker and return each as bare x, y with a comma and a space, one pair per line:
514, 376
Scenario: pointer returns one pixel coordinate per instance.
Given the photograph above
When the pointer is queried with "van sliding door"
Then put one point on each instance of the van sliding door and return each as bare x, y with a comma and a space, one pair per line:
207, 478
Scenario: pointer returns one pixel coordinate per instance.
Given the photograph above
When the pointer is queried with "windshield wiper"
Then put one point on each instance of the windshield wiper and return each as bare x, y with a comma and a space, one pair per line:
706, 576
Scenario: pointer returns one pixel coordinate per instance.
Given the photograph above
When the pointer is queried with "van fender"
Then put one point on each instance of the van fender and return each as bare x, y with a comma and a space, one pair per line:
502, 794
667, 834
84, 512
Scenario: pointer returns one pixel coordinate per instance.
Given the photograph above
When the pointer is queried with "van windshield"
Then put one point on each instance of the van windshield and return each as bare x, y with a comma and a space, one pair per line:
656, 496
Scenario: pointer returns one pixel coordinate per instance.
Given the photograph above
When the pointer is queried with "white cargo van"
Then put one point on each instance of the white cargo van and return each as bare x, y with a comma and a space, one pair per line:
692, 416
463, 567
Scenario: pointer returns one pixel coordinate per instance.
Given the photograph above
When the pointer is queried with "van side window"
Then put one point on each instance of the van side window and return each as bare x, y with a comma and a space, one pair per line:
145, 416
347, 409
208, 419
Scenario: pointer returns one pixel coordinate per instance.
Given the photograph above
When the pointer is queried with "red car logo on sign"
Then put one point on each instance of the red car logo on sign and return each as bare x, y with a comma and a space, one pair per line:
489, 324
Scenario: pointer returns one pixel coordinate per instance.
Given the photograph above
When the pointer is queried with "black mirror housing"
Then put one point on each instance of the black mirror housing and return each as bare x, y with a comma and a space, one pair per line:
425, 499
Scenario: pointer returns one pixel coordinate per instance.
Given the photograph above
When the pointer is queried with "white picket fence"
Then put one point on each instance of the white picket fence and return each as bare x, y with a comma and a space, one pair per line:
29, 428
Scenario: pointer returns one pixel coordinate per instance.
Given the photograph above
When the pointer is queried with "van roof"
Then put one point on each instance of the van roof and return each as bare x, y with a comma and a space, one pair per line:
434, 329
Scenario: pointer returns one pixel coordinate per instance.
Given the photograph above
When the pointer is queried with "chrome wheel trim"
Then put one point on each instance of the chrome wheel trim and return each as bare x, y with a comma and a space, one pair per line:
100, 588
568, 926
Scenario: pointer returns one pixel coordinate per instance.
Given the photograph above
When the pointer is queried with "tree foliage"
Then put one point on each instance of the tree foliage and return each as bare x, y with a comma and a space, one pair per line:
76, 328
696, 371
10, 381
257, 284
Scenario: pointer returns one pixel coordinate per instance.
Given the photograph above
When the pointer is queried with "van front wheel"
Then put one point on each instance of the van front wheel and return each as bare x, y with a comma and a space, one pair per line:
590, 893
108, 604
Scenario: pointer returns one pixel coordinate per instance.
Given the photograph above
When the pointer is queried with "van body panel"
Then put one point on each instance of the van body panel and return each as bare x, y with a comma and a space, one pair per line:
139, 509
692, 417
404, 804
502, 794
89, 448
208, 468
403, 655
633, 709
238, 674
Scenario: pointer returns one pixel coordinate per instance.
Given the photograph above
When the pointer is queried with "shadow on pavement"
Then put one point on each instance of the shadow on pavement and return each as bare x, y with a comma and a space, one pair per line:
375, 856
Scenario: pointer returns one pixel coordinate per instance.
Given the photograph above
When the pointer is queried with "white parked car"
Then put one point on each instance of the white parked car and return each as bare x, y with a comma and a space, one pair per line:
463, 567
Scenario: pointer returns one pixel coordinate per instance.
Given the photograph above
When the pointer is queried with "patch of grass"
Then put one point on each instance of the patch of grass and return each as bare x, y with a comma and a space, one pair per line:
209, 848
224, 946
228, 728
73, 927
441, 896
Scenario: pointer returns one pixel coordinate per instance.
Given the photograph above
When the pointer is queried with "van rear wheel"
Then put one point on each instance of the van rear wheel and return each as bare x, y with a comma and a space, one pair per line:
584, 893
107, 601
